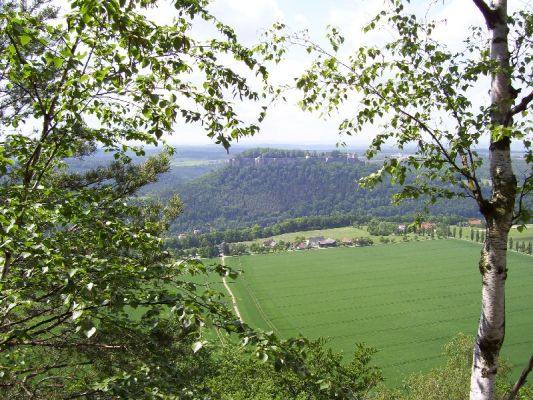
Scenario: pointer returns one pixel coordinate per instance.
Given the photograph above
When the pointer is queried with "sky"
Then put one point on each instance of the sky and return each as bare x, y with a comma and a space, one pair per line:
286, 123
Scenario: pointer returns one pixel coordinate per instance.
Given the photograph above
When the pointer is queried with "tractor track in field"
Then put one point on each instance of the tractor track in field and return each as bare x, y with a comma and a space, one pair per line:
258, 305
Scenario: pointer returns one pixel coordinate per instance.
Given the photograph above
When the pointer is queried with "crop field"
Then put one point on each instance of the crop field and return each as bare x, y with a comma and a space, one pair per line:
405, 299
526, 235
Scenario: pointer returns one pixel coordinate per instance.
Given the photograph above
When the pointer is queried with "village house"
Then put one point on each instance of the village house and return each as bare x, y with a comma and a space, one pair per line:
300, 246
347, 242
327, 243
314, 241
427, 226
269, 243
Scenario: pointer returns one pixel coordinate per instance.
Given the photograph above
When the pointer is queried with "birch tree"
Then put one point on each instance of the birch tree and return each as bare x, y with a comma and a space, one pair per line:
418, 93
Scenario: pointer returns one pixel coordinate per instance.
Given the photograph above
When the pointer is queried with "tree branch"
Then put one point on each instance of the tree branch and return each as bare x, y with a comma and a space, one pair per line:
43, 370
490, 15
81, 394
522, 106
523, 192
75, 345
521, 380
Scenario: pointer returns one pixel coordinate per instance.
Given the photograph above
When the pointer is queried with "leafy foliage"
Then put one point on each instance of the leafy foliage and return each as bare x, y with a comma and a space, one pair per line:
244, 378
90, 303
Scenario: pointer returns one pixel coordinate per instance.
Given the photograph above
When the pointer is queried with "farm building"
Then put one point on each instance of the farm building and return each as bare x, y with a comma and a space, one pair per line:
269, 243
300, 246
427, 226
314, 241
327, 243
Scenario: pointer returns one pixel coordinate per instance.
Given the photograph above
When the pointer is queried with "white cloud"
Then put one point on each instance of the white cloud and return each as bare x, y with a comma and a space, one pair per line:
352, 17
455, 20
163, 13
251, 10
301, 21
248, 18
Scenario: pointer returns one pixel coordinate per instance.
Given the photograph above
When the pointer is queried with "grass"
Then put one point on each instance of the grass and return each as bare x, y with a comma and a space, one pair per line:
334, 233
407, 301
526, 235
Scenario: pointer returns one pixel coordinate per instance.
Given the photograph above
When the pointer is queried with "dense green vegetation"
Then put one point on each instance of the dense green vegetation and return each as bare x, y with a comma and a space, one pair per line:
390, 297
243, 196
91, 305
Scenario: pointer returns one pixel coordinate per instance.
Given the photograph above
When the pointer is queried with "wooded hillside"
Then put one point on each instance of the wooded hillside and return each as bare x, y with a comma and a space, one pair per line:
239, 196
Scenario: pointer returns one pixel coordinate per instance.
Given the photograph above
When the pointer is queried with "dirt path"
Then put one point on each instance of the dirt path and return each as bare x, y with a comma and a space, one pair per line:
233, 299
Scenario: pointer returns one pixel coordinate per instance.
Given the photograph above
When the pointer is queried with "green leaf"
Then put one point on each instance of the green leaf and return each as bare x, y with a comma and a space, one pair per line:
324, 384
58, 61
25, 39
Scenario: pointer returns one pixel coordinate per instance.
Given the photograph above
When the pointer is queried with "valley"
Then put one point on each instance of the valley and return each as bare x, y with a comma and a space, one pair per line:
406, 299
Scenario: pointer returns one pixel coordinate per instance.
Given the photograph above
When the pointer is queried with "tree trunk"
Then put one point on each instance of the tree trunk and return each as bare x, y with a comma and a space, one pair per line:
498, 212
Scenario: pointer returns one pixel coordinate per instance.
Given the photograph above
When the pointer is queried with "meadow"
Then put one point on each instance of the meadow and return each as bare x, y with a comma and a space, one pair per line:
349, 232
526, 235
352, 232
405, 299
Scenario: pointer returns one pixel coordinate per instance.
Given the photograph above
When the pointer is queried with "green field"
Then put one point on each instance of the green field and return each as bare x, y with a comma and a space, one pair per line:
335, 233
526, 235
406, 299
350, 232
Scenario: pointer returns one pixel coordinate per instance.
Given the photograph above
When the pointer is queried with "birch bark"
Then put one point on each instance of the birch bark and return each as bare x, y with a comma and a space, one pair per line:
498, 213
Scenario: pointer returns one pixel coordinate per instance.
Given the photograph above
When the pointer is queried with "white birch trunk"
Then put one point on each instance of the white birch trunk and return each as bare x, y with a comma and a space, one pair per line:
498, 212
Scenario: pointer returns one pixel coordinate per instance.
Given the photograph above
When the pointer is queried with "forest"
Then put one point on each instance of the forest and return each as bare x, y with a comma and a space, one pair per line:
237, 197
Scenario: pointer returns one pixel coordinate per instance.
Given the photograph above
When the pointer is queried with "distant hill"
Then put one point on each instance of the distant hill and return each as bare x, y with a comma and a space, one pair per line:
267, 185
263, 189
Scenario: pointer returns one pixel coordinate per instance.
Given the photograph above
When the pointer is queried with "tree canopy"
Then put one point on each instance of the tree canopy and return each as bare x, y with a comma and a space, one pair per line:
90, 302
